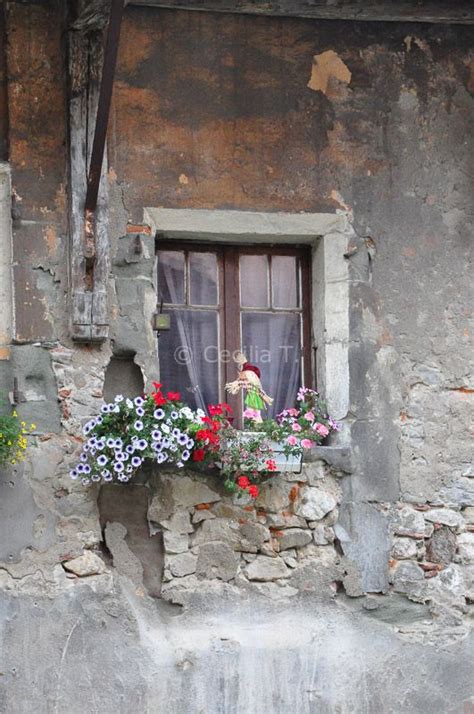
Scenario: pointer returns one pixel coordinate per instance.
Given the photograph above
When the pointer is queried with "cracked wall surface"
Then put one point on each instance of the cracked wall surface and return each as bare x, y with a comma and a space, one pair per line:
373, 595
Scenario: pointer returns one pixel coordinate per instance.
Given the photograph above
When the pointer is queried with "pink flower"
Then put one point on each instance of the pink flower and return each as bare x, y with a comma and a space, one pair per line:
296, 426
307, 443
309, 416
292, 440
249, 413
293, 412
321, 429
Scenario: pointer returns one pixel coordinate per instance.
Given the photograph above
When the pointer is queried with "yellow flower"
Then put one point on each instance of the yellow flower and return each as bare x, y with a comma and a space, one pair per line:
33, 426
23, 423
14, 413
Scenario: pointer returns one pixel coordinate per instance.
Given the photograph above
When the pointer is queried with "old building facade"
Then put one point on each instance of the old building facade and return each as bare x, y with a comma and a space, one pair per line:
347, 134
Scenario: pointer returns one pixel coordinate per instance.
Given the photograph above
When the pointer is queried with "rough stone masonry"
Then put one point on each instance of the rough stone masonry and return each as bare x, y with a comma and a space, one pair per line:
348, 587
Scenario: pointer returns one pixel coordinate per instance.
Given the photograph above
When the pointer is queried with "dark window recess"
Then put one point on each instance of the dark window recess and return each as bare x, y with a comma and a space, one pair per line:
223, 299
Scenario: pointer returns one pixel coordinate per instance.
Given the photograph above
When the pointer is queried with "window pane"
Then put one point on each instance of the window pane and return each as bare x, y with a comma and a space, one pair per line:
171, 276
273, 343
254, 281
285, 281
203, 278
189, 356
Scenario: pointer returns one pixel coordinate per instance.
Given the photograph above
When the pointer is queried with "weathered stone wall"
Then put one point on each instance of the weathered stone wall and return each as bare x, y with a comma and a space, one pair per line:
360, 570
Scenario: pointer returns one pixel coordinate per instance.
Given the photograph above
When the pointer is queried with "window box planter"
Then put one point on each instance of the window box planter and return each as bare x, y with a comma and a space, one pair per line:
284, 463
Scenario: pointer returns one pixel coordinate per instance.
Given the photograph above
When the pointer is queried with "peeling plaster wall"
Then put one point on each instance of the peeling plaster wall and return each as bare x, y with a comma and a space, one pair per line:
252, 114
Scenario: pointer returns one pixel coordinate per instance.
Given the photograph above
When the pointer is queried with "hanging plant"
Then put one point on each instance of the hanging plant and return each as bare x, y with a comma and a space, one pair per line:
13, 441
162, 428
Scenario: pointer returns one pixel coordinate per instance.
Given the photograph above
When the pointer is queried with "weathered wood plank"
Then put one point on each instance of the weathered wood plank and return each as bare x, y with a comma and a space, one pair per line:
89, 264
442, 11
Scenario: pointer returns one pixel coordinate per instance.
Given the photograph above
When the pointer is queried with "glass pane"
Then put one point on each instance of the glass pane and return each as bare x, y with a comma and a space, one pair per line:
273, 343
254, 281
171, 276
285, 281
203, 278
188, 354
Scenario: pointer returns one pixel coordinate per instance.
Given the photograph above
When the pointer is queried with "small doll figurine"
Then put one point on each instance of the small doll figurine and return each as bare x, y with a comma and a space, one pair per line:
249, 380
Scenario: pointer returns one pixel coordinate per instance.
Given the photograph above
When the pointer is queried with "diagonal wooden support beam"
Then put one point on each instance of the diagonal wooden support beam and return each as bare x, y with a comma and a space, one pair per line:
91, 72
103, 110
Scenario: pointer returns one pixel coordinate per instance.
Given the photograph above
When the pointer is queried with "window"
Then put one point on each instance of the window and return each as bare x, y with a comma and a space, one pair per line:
222, 299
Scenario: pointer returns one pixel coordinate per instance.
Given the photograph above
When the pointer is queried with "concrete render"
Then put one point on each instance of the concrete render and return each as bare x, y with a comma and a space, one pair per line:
123, 653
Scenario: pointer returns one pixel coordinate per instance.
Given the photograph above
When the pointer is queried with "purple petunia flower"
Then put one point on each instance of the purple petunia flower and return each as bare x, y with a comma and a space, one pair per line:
139, 411
130, 448
161, 457
110, 442
138, 426
85, 481
158, 414
95, 477
182, 439
136, 462
83, 457
156, 435
118, 466
74, 473
185, 455
102, 460
142, 444
138, 401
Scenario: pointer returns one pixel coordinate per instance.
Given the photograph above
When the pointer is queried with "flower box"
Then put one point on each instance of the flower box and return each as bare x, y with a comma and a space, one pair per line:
284, 464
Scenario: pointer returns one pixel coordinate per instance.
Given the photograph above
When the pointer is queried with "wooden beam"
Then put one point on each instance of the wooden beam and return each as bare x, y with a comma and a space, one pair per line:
438, 11
89, 263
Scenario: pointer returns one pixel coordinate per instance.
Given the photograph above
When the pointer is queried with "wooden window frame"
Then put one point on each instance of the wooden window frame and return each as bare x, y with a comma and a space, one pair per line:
229, 308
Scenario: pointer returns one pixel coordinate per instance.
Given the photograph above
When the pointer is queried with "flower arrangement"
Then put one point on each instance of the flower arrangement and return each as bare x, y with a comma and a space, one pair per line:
160, 427
13, 441
298, 428
129, 431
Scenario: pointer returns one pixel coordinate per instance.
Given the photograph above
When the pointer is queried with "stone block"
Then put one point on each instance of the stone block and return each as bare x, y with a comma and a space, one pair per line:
409, 522
294, 538
175, 542
265, 569
181, 565
179, 522
442, 546
219, 529
217, 560
253, 534
460, 493
314, 503
186, 492
404, 548
445, 517
87, 564
465, 549
274, 495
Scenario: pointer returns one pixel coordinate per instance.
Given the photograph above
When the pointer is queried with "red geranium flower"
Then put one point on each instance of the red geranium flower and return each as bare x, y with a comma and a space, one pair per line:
226, 407
198, 454
174, 396
203, 434
157, 385
206, 420
215, 410
253, 491
271, 465
159, 399
243, 482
